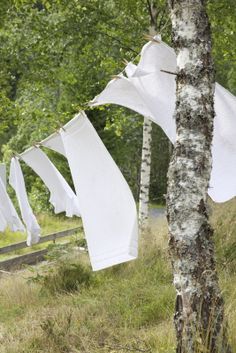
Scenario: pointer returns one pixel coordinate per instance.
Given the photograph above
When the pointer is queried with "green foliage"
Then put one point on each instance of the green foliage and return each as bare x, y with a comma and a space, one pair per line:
223, 22
57, 55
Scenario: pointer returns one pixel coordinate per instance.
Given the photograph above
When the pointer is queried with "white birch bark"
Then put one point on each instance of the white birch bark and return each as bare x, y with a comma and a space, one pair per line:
199, 311
145, 174
146, 147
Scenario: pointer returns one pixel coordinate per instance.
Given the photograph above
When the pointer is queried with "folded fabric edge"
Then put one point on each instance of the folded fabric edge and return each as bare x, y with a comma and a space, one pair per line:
131, 253
218, 199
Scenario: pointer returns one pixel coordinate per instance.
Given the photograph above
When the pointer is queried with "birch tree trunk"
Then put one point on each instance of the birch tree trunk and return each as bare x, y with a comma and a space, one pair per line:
147, 144
199, 312
145, 174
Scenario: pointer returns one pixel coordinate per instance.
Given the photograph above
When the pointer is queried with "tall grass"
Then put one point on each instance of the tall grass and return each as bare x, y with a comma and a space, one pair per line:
127, 308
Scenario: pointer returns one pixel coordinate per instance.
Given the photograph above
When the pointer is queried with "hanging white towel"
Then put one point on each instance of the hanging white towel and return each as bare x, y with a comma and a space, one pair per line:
3, 173
16, 180
107, 206
9, 215
62, 196
3, 223
223, 175
151, 92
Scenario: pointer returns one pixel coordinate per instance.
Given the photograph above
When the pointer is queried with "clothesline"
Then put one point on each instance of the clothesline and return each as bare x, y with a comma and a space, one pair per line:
155, 39
150, 92
103, 197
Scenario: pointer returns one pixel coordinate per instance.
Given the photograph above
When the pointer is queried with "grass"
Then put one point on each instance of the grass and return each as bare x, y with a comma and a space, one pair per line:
63, 307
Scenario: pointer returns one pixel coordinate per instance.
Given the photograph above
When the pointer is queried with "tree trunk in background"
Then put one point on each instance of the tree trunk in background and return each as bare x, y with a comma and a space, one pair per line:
199, 309
147, 145
145, 174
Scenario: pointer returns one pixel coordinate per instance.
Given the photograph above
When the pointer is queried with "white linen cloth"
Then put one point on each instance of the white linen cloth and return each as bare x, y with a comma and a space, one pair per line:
16, 180
3, 222
8, 214
223, 175
107, 206
54, 142
3, 173
151, 92
62, 196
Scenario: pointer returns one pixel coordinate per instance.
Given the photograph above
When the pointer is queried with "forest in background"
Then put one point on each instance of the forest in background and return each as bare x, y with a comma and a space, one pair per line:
55, 56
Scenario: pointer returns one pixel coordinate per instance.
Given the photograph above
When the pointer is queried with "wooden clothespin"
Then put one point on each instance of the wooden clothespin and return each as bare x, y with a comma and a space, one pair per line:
124, 61
114, 77
150, 38
169, 72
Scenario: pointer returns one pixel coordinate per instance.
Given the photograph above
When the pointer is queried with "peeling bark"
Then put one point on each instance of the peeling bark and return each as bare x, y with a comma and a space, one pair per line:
199, 313
145, 174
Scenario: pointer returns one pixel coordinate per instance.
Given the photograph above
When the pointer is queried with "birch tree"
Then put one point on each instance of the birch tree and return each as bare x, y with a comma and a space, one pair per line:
199, 314
147, 143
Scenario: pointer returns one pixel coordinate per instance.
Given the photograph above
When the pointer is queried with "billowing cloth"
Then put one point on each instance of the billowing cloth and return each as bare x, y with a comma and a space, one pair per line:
151, 92
8, 214
54, 142
62, 196
16, 180
3, 223
3, 173
223, 175
107, 206
146, 89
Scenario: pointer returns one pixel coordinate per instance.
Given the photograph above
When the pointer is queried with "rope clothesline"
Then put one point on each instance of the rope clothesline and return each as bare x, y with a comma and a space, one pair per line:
86, 104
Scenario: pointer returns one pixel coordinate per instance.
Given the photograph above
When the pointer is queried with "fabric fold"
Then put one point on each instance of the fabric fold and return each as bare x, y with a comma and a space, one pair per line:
156, 90
62, 196
54, 142
17, 182
8, 214
107, 206
3, 223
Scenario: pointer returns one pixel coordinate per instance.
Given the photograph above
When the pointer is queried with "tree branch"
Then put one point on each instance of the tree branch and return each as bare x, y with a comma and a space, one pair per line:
118, 41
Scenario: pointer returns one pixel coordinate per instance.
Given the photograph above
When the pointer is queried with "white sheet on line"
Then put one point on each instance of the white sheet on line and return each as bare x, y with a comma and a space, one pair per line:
3, 222
62, 196
107, 206
16, 180
54, 142
9, 216
151, 93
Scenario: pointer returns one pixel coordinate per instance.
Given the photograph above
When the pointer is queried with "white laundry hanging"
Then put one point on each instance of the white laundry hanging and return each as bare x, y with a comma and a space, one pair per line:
62, 196
223, 175
146, 89
16, 180
8, 214
151, 92
3, 222
54, 142
107, 206
3, 173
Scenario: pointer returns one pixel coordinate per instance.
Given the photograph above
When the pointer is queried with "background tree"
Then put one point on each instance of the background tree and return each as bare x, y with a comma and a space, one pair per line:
55, 56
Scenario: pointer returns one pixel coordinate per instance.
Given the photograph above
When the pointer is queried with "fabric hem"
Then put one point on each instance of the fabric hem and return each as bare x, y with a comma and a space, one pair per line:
128, 254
